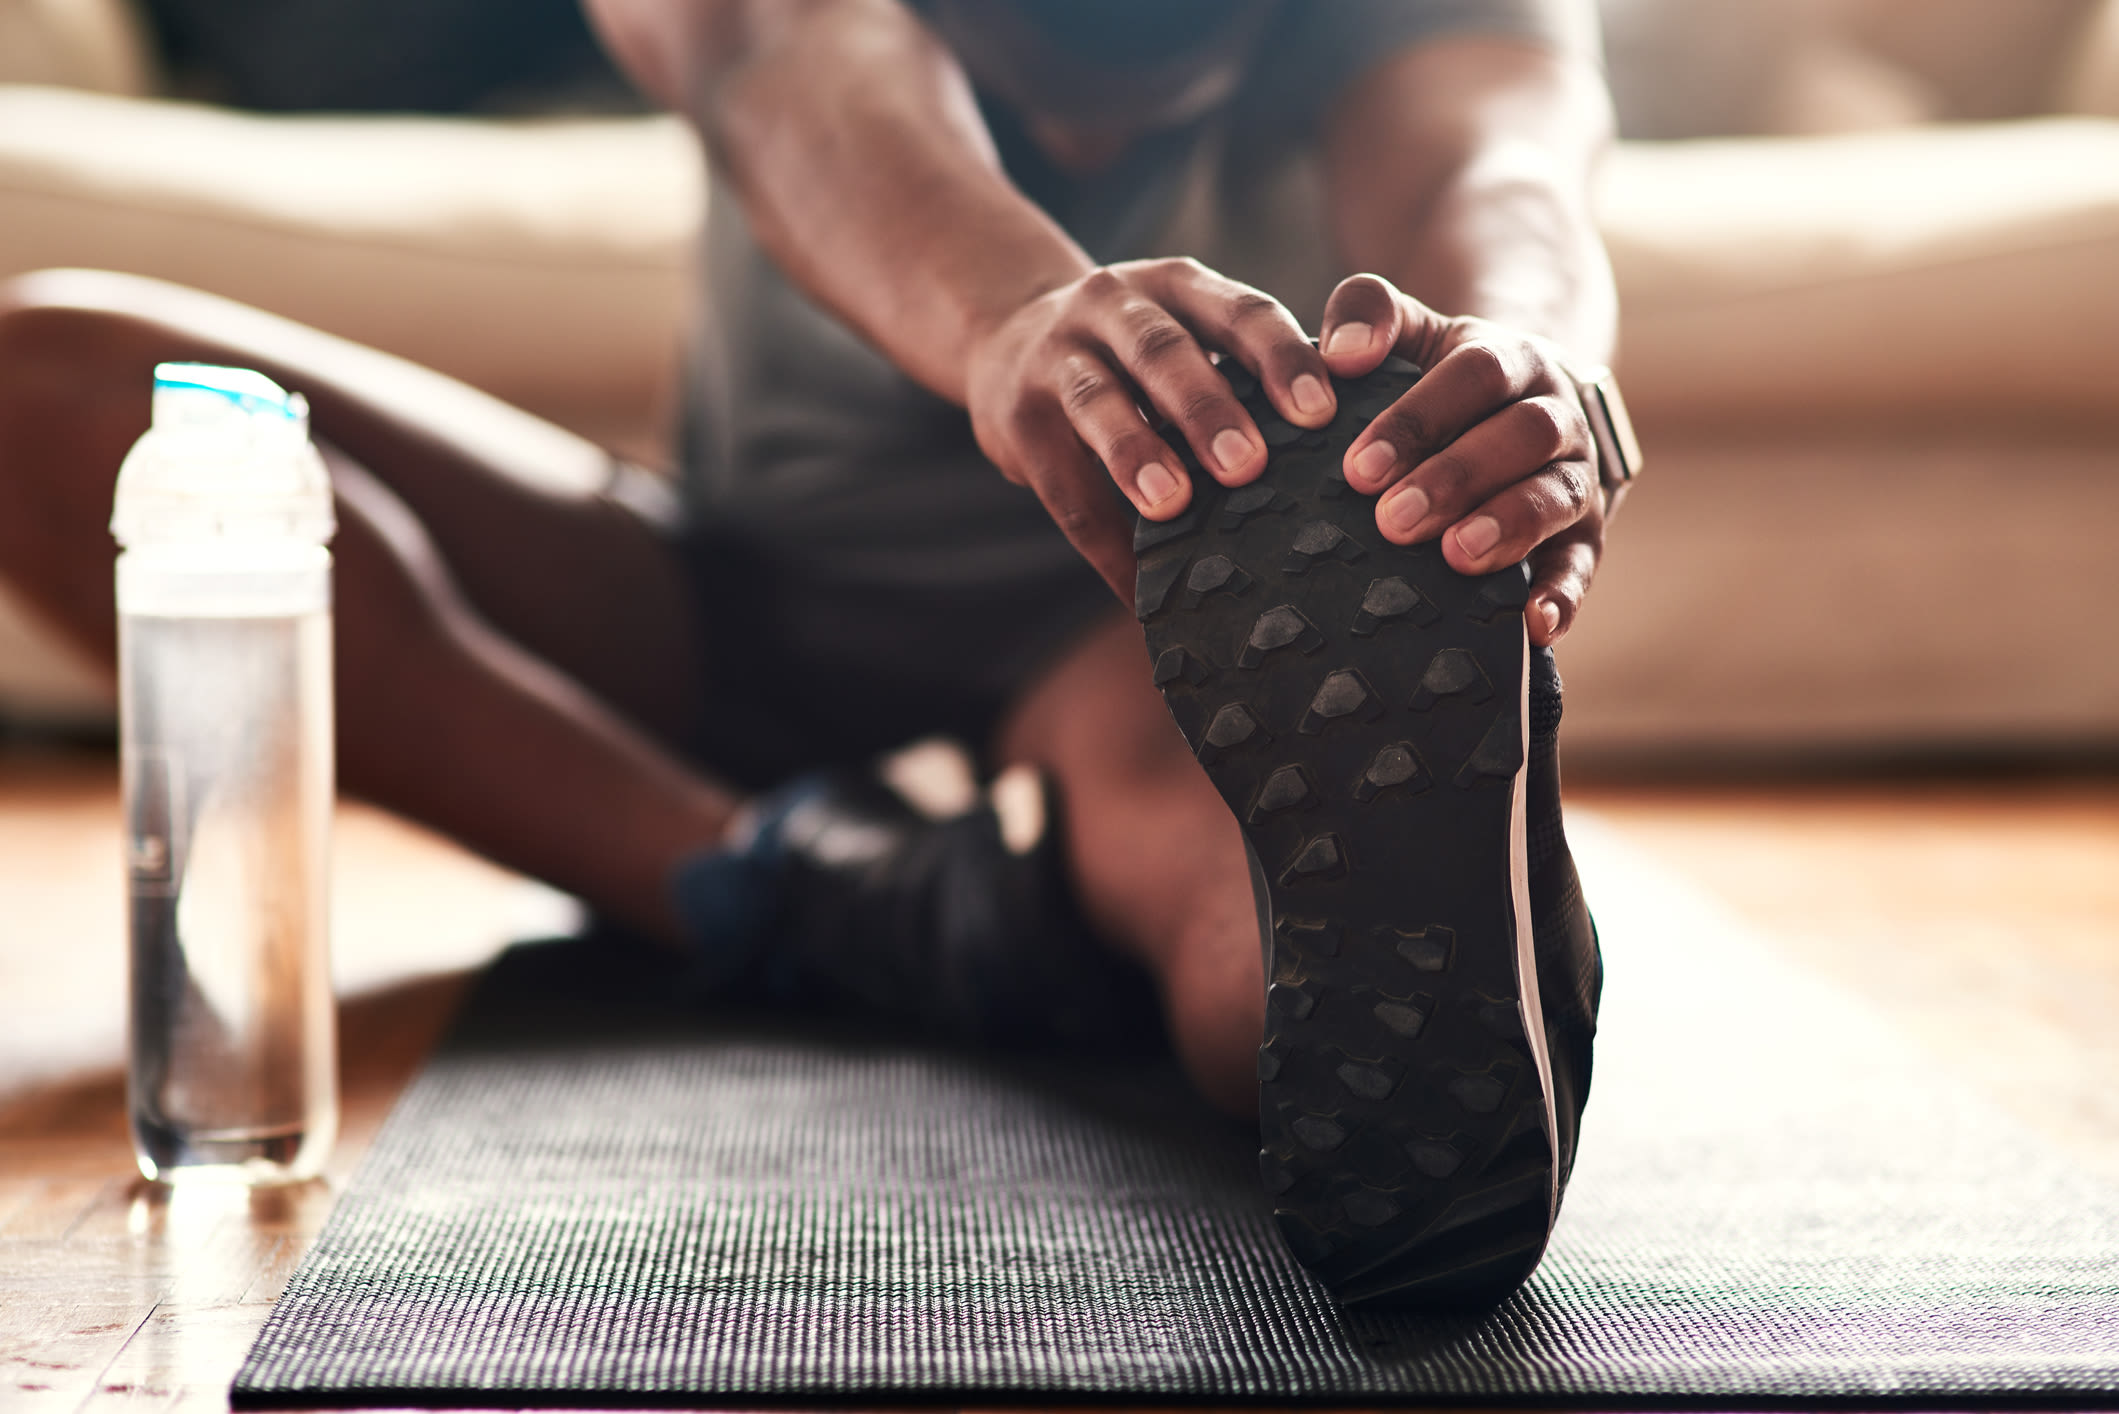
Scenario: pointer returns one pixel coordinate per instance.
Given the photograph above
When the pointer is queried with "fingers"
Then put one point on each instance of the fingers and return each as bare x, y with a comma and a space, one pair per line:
1067, 483
1157, 321
1138, 334
1508, 526
1466, 386
1160, 358
1257, 331
1101, 412
1362, 323
1560, 572
1521, 440
1489, 450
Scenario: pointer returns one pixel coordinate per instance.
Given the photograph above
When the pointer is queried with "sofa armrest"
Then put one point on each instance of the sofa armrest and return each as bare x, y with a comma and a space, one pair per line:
547, 262
1961, 268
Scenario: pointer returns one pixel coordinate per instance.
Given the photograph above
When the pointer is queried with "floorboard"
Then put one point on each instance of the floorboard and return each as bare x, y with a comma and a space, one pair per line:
1983, 918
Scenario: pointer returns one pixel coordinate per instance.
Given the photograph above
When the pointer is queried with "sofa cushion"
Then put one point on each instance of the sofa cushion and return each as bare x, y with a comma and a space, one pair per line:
1960, 268
1859, 591
1985, 59
1682, 69
544, 261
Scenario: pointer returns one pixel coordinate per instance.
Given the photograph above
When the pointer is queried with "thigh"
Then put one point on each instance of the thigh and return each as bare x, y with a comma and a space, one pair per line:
541, 533
1154, 849
1156, 858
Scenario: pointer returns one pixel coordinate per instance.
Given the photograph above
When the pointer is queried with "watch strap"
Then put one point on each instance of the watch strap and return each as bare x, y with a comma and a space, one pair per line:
1618, 450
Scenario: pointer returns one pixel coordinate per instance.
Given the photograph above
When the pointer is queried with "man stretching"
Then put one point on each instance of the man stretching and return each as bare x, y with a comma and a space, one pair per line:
985, 342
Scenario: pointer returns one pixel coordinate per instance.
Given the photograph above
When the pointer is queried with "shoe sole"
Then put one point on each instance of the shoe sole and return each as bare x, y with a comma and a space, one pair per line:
1362, 708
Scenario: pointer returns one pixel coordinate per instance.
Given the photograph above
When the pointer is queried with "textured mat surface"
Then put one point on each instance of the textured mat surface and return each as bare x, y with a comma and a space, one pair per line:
586, 1198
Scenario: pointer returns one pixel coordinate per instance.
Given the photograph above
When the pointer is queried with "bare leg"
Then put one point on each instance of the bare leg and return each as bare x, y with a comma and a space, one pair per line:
1157, 859
502, 625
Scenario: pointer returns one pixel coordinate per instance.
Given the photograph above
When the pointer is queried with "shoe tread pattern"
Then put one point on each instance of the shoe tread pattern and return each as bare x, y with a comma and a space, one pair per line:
1358, 706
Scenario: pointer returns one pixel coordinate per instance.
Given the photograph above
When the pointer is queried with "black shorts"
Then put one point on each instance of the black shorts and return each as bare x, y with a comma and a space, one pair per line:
813, 657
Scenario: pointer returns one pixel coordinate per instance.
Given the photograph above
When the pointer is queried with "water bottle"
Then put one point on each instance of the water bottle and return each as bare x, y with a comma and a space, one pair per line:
222, 511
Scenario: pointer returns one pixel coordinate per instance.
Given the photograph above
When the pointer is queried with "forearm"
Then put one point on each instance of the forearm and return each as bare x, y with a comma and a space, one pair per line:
1463, 175
860, 157
1510, 246
852, 139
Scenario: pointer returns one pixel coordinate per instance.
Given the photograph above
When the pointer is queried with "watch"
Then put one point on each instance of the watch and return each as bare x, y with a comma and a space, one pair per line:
1618, 450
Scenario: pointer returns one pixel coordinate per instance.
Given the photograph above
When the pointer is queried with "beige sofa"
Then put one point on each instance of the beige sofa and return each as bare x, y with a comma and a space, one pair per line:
1876, 367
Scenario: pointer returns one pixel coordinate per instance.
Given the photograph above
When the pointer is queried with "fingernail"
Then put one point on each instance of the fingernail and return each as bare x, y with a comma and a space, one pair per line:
1349, 339
1157, 483
1374, 462
1311, 400
1404, 509
1549, 615
1231, 448
1475, 537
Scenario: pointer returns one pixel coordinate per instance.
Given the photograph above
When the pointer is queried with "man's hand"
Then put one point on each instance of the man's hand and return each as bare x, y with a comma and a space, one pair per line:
1057, 390
1490, 450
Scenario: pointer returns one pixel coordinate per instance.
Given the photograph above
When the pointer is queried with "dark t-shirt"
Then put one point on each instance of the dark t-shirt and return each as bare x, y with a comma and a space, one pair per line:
851, 483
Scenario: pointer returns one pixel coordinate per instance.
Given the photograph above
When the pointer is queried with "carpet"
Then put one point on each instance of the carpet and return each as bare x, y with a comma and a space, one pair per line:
596, 1194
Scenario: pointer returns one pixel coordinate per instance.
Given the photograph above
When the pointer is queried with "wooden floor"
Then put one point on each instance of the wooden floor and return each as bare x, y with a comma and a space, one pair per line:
1983, 916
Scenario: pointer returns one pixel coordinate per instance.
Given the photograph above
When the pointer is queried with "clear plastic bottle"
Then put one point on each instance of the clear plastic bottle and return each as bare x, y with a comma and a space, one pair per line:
223, 510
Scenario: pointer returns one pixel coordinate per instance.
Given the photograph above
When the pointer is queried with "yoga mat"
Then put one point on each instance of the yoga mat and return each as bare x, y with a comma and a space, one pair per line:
595, 1195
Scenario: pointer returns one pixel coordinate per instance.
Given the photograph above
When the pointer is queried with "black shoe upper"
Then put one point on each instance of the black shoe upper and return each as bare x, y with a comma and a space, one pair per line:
878, 909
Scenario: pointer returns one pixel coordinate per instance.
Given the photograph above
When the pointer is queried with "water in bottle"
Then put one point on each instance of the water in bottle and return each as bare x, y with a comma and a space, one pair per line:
224, 603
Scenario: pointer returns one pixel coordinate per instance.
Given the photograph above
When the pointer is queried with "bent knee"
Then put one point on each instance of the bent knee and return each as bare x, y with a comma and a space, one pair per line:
75, 335
76, 385
109, 299
74, 373
68, 335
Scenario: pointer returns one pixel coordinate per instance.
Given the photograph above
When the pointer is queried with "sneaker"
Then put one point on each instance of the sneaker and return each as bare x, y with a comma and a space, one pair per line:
843, 896
1387, 740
